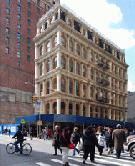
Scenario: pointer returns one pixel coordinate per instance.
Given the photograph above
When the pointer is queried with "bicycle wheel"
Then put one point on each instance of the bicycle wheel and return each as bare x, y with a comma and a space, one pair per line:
26, 149
10, 148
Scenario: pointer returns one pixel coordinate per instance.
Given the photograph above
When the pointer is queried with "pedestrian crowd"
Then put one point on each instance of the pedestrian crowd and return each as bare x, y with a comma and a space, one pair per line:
104, 139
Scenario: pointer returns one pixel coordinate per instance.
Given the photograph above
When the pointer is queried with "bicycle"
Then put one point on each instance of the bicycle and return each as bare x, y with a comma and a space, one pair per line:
26, 148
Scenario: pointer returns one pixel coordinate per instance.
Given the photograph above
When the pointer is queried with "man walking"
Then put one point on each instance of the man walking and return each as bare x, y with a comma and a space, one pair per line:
119, 138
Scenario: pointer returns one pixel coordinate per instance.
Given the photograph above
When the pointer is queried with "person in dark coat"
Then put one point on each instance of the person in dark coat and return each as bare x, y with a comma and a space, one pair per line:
20, 138
64, 142
89, 143
109, 140
119, 138
56, 139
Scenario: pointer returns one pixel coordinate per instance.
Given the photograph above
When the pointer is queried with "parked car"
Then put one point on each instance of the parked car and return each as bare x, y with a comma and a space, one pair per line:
131, 145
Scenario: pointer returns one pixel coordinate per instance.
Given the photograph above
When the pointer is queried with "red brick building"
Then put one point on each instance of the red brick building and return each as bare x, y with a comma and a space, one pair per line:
18, 19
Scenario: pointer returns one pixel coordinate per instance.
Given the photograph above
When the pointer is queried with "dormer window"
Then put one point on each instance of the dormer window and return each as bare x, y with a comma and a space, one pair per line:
77, 26
101, 43
62, 15
90, 35
109, 49
118, 55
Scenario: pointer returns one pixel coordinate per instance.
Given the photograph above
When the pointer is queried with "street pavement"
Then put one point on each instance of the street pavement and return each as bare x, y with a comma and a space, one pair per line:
42, 156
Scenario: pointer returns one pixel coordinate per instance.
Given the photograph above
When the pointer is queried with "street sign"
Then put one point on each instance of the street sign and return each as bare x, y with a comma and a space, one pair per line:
37, 104
23, 121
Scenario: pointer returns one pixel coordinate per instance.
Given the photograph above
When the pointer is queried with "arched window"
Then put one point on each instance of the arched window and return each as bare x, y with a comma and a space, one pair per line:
84, 71
48, 87
71, 65
84, 91
77, 109
77, 88
48, 46
63, 84
55, 107
54, 83
63, 41
47, 108
85, 53
54, 41
54, 62
71, 45
70, 86
62, 107
70, 108
40, 69
63, 62
48, 65
41, 50
78, 49
41, 89
78, 68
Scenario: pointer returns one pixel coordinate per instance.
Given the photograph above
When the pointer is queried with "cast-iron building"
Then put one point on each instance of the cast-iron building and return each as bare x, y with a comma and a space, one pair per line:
77, 70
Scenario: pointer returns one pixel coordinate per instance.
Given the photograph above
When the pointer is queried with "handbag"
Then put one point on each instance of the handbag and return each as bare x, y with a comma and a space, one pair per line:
71, 146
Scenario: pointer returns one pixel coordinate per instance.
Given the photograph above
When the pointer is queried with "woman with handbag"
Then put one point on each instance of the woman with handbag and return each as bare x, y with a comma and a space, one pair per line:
64, 144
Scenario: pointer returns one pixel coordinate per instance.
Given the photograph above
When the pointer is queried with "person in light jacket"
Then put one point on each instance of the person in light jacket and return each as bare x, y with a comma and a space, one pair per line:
119, 138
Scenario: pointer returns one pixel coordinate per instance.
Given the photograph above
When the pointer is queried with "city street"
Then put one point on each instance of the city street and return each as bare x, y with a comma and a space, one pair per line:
42, 156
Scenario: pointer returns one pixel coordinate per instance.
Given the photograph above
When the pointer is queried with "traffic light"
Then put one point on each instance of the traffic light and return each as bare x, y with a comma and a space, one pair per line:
34, 99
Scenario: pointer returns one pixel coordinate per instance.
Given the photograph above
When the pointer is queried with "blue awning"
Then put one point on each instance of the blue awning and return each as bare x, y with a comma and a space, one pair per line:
47, 118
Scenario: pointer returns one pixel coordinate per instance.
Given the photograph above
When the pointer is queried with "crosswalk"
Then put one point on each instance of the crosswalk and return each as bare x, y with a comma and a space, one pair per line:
125, 160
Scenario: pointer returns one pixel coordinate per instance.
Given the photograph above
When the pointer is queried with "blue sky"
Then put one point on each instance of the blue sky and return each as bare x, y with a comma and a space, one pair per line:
127, 8
115, 19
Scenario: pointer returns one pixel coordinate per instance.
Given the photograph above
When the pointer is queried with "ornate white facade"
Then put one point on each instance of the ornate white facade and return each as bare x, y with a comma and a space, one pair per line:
77, 70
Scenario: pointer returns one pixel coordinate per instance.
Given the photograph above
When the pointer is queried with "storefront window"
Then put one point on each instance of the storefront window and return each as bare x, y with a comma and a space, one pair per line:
70, 108
47, 108
62, 108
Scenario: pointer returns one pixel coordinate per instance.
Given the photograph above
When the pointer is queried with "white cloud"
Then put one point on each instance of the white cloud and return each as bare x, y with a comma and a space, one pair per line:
131, 86
102, 15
